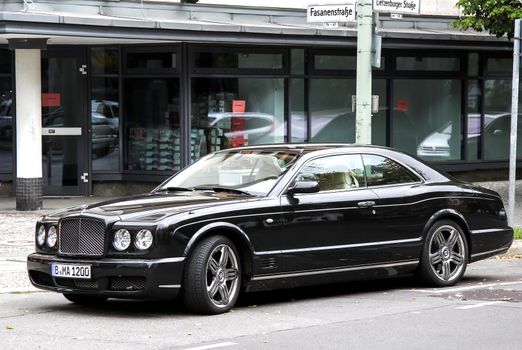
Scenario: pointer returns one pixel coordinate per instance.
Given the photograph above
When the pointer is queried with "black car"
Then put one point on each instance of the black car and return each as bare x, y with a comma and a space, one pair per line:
258, 218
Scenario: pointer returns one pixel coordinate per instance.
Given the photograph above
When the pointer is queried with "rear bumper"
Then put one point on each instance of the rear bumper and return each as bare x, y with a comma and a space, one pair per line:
490, 242
112, 278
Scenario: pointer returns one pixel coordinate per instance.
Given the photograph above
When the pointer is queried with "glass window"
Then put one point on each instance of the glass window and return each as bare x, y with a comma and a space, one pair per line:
6, 125
421, 63
384, 171
333, 119
473, 64
298, 110
105, 118
238, 60
499, 66
473, 120
379, 118
497, 120
298, 61
152, 124
335, 62
335, 172
426, 118
234, 112
104, 60
151, 61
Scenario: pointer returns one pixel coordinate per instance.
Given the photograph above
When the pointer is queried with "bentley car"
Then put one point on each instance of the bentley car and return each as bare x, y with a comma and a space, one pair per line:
265, 217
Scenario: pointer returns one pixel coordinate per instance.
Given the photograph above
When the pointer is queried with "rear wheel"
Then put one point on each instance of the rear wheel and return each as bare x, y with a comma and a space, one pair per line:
82, 299
212, 277
444, 255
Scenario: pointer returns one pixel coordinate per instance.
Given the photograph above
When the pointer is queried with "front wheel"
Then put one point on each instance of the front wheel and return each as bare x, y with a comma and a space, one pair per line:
444, 254
212, 277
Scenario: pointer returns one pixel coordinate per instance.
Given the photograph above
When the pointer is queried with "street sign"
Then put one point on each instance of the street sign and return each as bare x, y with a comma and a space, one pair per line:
331, 13
409, 7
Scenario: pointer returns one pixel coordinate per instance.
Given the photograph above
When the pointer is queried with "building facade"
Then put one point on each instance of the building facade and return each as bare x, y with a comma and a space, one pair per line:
131, 92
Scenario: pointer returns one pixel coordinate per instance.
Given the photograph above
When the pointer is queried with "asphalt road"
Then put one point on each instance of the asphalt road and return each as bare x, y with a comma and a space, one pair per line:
484, 311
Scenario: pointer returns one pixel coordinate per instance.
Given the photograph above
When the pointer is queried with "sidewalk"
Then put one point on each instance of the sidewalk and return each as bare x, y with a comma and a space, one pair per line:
17, 240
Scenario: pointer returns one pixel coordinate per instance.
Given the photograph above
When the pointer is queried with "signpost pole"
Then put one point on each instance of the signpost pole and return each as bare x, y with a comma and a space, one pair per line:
514, 121
363, 121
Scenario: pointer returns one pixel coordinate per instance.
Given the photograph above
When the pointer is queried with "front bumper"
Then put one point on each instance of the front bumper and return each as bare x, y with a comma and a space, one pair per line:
112, 278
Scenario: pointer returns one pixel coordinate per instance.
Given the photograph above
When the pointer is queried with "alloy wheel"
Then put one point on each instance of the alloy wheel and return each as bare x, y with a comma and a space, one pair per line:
447, 253
222, 275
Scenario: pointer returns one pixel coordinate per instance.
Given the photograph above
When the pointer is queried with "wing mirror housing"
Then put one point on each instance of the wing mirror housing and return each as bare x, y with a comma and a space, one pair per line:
304, 187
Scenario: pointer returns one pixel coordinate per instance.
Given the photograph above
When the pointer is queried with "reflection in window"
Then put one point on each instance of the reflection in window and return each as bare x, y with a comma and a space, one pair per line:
6, 125
335, 62
104, 60
150, 60
234, 112
239, 60
426, 118
335, 173
104, 124
152, 124
384, 171
421, 63
298, 110
331, 108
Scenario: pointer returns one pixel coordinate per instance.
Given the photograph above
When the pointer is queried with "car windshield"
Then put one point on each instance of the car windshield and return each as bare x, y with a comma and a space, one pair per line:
253, 172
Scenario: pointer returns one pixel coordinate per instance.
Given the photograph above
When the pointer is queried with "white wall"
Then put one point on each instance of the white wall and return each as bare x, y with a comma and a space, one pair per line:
428, 7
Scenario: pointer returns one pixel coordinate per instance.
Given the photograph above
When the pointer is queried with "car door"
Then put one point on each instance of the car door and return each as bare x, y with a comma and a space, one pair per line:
334, 227
403, 204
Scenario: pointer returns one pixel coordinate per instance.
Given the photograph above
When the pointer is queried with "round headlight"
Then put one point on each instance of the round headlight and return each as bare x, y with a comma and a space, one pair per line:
51, 237
122, 240
143, 240
40, 236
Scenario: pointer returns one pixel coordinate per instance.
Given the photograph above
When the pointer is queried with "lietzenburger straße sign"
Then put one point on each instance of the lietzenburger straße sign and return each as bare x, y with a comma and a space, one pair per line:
347, 12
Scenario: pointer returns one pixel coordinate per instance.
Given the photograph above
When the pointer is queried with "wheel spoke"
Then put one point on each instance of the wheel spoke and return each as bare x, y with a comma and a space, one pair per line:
452, 239
213, 288
230, 274
435, 258
457, 258
213, 265
446, 270
439, 238
223, 260
223, 291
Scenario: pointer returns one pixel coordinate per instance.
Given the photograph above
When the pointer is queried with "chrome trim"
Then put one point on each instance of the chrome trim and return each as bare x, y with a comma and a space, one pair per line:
173, 286
105, 261
429, 199
320, 272
334, 247
490, 252
488, 230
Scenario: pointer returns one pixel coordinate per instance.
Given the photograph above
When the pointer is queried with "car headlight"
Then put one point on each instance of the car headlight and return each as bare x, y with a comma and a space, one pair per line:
143, 240
40, 236
51, 237
122, 240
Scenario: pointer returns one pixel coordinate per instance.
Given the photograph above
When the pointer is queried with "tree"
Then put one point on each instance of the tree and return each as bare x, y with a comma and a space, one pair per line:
496, 16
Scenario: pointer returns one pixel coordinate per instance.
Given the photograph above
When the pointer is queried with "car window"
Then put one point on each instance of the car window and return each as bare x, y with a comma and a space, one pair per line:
335, 172
384, 171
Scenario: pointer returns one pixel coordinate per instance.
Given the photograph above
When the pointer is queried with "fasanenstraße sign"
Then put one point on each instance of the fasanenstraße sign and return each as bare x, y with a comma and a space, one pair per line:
410, 7
331, 13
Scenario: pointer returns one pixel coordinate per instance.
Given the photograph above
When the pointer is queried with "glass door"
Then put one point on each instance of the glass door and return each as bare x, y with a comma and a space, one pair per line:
64, 79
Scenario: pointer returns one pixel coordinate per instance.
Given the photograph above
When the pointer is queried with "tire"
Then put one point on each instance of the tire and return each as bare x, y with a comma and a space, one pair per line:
444, 255
82, 299
212, 278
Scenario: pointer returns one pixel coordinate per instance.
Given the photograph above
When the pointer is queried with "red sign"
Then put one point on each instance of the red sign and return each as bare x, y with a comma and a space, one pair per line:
51, 100
238, 106
402, 105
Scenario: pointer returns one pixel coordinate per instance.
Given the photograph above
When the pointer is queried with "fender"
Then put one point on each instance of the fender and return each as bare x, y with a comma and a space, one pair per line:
217, 225
445, 213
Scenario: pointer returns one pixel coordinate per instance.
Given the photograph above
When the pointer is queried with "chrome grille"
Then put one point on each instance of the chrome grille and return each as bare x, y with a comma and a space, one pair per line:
82, 236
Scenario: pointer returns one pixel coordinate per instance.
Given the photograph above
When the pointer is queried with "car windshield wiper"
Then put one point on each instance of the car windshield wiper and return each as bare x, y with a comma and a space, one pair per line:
220, 189
174, 189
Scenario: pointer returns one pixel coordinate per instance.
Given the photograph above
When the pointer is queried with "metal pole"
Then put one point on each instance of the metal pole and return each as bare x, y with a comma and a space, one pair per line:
363, 121
514, 121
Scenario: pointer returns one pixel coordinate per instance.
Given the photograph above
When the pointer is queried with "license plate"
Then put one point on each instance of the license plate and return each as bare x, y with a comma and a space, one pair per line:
71, 271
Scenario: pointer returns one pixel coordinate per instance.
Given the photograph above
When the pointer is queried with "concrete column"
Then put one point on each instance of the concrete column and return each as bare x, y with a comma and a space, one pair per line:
28, 129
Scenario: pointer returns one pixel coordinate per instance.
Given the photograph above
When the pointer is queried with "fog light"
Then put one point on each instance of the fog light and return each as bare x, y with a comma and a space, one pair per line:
143, 240
51, 237
122, 240
40, 236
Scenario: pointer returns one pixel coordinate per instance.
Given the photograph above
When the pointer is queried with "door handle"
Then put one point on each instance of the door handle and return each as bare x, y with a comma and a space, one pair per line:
366, 204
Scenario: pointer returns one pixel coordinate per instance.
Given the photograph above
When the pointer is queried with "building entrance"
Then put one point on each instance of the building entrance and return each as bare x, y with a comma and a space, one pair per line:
64, 125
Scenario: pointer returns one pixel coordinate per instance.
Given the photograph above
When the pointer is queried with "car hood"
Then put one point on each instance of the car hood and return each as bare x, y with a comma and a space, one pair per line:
152, 206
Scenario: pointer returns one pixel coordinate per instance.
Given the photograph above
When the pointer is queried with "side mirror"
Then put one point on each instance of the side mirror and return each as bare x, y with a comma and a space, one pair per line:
304, 187
497, 132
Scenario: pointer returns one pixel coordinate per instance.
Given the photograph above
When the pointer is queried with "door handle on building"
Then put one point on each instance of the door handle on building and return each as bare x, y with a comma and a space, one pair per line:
85, 177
